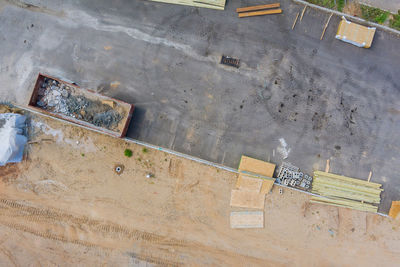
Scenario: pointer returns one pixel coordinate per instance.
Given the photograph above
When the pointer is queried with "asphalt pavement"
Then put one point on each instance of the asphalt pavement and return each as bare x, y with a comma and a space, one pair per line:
294, 97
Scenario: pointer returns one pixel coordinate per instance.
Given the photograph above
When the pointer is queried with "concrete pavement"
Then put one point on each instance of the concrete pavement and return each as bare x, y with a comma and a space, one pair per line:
390, 5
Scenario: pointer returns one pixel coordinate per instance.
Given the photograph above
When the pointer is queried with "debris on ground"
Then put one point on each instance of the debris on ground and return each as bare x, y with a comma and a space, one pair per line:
149, 175
63, 99
331, 232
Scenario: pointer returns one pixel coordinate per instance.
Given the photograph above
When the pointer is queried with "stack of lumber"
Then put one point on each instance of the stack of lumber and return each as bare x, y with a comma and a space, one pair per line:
214, 4
258, 10
346, 192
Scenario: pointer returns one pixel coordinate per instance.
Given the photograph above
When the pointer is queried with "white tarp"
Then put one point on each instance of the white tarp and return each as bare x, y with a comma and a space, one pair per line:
12, 140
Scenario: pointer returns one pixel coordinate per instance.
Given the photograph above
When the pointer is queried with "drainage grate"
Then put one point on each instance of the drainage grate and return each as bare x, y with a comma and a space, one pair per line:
230, 61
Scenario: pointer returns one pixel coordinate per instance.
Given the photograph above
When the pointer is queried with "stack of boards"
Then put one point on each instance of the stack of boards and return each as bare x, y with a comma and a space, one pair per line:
260, 10
346, 192
214, 4
253, 183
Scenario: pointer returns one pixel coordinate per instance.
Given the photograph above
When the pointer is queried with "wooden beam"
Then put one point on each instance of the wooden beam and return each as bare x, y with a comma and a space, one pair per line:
369, 176
344, 178
295, 20
327, 166
302, 13
260, 13
254, 8
326, 26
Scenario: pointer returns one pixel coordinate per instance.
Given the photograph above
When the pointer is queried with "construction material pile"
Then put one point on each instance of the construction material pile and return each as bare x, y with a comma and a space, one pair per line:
63, 99
290, 175
346, 192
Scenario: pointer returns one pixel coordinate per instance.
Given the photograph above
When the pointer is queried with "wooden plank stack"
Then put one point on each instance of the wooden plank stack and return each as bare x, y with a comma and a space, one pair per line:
260, 10
214, 4
346, 192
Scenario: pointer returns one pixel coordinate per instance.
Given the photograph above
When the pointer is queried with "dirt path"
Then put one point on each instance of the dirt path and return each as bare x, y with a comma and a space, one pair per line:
65, 205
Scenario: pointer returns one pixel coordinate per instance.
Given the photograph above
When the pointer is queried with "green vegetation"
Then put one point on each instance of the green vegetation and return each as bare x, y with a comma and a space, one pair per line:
340, 5
82, 154
144, 150
395, 22
128, 153
325, 3
374, 14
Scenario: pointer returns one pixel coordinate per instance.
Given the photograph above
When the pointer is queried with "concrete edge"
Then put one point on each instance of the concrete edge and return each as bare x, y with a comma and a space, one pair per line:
347, 16
369, 5
169, 151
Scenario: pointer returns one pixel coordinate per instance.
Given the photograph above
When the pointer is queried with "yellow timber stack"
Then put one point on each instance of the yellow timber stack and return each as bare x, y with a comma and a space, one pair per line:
346, 192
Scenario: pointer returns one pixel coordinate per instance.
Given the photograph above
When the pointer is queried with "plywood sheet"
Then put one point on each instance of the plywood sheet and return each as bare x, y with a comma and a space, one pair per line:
267, 186
247, 219
355, 33
256, 166
245, 182
247, 199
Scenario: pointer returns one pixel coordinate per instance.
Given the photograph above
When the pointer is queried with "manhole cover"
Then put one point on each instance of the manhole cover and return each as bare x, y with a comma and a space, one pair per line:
118, 169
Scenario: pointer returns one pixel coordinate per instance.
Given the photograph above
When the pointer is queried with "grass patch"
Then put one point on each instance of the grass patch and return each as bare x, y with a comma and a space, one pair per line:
340, 5
82, 154
324, 3
128, 153
374, 14
144, 150
395, 21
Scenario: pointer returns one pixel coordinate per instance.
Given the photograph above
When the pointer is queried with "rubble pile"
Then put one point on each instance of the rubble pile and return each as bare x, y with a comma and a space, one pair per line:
63, 99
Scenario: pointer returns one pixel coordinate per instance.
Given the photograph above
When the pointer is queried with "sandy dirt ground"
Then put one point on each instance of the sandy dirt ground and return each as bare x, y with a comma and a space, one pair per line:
64, 205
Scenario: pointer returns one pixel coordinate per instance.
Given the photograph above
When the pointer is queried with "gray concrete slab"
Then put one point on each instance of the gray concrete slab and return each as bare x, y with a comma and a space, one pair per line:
324, 99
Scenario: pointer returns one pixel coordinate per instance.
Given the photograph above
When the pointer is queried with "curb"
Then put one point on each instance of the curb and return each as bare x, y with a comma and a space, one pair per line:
360, 20
169, 151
